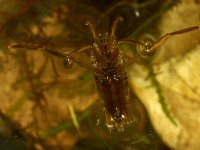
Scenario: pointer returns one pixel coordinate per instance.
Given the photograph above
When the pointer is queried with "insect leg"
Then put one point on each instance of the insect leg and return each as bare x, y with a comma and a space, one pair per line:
29, 47
67, 58
134, 58
131, 42
71, 57
85, 64
81, 62
151, 48
37, 47
80, 50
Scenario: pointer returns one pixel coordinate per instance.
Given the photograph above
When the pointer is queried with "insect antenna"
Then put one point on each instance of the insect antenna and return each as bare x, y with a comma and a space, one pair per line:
114, 25
91, 27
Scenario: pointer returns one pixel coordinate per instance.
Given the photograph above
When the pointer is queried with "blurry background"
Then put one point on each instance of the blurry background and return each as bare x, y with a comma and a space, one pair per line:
44, 105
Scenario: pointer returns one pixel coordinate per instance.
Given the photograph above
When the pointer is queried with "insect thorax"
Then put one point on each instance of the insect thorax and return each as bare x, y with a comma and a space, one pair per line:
105, 44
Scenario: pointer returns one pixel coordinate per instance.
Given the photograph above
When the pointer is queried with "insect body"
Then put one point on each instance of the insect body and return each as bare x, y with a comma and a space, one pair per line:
111, 82
109, 68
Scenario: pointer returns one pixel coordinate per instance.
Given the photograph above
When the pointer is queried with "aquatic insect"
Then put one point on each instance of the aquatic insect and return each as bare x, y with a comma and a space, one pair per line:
109, 65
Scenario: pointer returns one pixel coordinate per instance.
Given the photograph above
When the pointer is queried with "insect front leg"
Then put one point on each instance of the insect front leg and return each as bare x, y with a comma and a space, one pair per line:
71, 57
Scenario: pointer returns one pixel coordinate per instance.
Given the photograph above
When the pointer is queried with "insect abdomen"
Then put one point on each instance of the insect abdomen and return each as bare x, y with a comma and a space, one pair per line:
114, 92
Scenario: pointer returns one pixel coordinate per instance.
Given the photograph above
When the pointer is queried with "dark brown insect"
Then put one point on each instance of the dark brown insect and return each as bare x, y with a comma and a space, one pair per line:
109, 68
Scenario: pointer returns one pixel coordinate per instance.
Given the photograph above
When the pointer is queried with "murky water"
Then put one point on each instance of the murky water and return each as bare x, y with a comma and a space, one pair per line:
45, 105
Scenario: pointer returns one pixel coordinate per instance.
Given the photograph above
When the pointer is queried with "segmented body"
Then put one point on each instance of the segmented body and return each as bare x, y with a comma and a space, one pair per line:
111, 83
114, 92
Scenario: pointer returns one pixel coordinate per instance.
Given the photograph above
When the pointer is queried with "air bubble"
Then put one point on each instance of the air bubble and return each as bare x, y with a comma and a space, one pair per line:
68, 62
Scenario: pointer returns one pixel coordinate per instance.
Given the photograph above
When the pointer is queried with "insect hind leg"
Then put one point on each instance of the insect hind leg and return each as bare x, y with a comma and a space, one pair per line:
150, 48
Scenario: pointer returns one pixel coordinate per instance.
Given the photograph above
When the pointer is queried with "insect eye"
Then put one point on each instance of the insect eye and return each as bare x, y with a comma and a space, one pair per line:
68, 62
